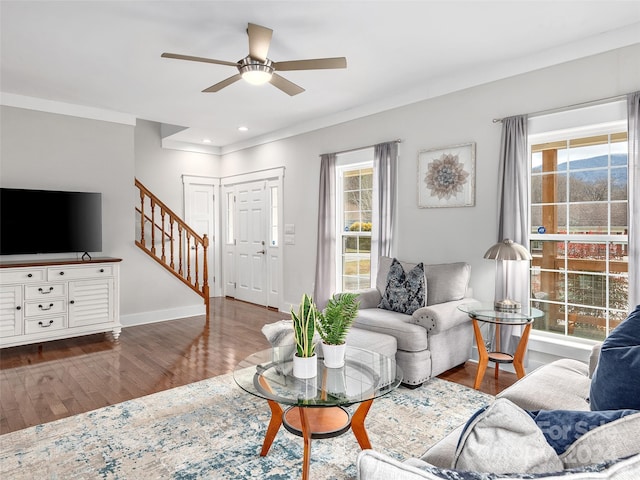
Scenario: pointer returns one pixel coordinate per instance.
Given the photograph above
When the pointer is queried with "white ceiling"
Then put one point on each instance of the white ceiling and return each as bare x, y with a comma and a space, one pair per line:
106, 55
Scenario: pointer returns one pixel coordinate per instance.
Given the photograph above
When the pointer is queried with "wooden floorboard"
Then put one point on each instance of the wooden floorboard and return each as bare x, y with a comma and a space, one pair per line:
43, 382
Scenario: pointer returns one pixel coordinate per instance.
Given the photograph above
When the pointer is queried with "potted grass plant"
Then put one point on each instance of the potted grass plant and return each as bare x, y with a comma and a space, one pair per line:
333, 325
304, 328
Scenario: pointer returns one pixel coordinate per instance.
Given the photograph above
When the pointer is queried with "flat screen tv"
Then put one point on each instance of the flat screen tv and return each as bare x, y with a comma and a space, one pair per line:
46, 221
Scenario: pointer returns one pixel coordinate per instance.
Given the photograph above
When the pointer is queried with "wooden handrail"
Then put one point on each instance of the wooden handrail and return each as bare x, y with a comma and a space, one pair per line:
167, 210
174, 230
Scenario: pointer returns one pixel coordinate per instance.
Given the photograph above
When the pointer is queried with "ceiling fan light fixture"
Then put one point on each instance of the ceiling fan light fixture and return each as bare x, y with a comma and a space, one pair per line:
254, 72
256, 77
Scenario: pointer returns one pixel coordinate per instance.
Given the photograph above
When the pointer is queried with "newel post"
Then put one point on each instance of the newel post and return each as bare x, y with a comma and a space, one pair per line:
205, 274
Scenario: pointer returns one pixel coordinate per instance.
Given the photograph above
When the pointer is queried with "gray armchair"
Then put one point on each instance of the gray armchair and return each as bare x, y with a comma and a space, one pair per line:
435, 337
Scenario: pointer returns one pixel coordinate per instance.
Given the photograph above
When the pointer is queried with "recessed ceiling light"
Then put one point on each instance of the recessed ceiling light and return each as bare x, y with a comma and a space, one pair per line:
206, 140
243, 128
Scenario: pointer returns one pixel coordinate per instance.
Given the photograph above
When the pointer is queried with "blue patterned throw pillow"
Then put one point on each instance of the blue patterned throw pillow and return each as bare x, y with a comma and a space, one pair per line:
405, 292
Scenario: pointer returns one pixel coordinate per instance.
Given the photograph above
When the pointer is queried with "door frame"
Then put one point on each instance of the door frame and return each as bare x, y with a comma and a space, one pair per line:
273, 177
215, 274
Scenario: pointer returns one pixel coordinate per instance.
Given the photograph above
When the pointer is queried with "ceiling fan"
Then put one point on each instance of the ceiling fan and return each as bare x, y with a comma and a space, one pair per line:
257, 69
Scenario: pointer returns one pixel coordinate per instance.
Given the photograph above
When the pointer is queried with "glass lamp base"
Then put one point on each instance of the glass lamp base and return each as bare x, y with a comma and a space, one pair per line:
507, 306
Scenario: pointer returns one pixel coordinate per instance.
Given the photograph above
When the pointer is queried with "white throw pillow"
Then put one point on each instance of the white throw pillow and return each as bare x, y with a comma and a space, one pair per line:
503, 438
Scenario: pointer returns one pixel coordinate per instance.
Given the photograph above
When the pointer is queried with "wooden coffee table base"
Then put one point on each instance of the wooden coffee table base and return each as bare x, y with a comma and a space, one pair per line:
316, 422
484, 357
324, 422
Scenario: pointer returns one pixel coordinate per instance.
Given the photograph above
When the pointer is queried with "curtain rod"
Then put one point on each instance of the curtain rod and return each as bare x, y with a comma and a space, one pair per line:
397, 140
569, 107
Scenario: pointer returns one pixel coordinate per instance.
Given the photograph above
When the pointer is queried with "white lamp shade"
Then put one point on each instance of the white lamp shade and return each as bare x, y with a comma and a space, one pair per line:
507, 250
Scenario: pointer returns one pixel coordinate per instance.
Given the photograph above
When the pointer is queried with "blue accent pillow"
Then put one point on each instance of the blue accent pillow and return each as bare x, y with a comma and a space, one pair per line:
616, 381
405, 291
563, 427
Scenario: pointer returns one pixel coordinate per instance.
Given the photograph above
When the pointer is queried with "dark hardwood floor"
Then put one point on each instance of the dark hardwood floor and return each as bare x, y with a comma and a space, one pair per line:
44, 382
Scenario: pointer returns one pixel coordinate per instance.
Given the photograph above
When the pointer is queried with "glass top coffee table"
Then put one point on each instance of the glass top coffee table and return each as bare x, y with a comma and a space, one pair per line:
485, 312
315, 407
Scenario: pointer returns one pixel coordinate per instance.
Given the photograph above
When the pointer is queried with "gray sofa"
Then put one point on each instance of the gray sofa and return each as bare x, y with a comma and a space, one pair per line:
561, 385
435, 337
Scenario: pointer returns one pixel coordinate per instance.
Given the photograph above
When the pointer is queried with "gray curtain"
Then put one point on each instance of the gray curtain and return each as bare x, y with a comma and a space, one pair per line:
633, 109
513, 217
385, 161
326, 246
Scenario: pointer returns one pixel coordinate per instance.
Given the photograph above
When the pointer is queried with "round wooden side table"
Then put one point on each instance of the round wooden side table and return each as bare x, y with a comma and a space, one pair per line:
485, 312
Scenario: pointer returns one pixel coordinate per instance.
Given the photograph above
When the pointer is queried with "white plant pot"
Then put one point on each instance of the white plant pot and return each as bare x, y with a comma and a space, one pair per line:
305, 367
334, 355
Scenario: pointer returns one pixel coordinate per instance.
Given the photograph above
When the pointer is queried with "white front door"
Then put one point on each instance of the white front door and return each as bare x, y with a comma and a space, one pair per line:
251, 246
199, 215
251, 238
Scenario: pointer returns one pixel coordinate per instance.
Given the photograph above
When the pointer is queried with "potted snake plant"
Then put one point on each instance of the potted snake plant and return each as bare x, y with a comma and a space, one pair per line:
333, 325
304, 327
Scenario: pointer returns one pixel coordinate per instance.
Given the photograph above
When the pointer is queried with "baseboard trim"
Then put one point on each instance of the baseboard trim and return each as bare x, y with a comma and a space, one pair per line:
161, 315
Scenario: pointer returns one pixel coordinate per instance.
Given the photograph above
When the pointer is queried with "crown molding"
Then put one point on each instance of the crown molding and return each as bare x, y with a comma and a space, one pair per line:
190, 147
61, 108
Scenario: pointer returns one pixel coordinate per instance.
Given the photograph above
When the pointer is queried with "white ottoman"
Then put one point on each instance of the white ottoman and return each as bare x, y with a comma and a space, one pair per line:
374, 341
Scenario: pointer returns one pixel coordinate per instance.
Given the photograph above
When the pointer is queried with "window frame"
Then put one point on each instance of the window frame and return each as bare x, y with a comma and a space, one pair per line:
605, 239
274, 215
361, 159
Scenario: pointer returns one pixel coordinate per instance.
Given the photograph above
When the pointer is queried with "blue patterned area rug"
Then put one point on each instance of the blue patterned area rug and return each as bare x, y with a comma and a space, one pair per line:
212, 429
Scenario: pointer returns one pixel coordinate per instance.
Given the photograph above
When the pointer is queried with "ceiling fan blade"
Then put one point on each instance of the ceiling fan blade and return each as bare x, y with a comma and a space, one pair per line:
285, 85
220, 85
198, 59
259, 41
311, 64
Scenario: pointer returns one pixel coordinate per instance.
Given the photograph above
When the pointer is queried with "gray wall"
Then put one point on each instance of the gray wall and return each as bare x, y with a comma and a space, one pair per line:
161, 170
50, 151
433, 235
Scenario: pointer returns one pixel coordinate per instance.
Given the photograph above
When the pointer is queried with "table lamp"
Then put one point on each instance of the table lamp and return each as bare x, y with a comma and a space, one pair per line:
504, 251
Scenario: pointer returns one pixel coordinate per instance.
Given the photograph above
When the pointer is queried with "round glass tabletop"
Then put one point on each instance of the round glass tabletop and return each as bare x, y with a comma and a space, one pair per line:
365, 376
485, 312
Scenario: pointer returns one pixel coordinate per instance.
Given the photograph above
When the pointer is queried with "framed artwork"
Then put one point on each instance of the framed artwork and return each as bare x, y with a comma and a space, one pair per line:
446, 176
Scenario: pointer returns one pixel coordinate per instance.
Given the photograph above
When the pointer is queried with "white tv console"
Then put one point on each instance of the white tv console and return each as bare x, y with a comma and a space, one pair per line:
50, 300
